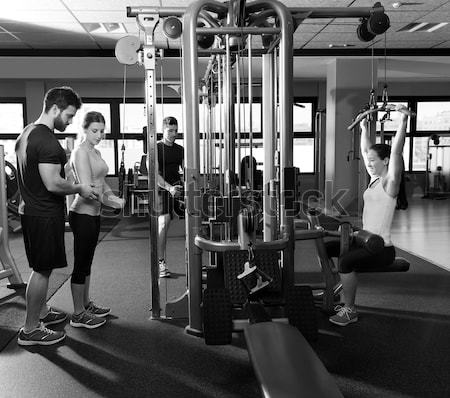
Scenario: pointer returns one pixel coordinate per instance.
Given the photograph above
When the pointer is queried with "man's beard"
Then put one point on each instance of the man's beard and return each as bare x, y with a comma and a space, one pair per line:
59, 124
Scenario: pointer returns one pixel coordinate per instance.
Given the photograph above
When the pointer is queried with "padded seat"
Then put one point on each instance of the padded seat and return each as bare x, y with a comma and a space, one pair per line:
285, 364
399, 265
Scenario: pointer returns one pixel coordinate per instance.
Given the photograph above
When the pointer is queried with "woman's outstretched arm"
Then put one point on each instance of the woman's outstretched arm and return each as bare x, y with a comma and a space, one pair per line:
365, 143
396, 165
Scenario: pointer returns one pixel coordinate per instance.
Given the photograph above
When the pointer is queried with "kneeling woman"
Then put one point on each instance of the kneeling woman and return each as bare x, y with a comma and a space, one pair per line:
88, 167
385, 193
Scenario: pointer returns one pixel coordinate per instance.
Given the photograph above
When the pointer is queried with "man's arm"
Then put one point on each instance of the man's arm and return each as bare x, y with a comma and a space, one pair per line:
174, 190
50, 175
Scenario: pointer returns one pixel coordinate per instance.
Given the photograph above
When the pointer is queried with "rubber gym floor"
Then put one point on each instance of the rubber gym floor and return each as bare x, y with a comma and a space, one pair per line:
399, 348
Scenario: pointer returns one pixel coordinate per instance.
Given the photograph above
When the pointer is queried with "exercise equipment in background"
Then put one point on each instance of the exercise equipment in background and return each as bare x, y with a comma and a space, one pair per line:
437, 174
8, 181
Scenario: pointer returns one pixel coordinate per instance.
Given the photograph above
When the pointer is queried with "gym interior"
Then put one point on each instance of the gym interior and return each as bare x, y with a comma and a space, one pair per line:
267, 96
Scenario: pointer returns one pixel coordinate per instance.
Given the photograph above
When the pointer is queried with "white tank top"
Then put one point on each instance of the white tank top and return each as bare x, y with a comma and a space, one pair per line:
99, 171
378, 211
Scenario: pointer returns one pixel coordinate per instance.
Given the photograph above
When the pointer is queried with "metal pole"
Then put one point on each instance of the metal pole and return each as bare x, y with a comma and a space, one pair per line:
269, 104
221, 129
250, 114
191, 145
148, 24
286, 139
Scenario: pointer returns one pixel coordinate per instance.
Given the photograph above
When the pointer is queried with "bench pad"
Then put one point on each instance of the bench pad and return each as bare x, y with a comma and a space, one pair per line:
285, 364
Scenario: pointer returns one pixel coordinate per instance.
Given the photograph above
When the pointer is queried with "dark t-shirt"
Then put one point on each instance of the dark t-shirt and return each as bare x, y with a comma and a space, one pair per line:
42, 147
170, 159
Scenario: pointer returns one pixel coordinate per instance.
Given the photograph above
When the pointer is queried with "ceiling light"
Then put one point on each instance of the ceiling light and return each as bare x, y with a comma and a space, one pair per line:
345, 45
422, 27
436, 26
104, 27
94, 27
115, 27
418, 26
398, 4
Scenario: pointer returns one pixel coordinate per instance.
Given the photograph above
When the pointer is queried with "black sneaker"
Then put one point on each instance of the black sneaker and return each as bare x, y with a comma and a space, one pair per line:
40, 336
86, 320
97, 310
53, 317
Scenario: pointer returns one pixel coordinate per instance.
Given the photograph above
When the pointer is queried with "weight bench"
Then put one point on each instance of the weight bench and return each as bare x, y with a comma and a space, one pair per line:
285, 364
399, 265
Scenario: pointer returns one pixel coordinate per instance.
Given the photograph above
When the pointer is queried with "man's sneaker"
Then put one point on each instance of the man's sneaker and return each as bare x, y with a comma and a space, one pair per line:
97, 310
40, 336
163, 270
344, 316
53, 317
86, 320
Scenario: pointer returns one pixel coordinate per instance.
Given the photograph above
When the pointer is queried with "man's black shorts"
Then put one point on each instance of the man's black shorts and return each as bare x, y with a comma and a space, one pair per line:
44, 242
169, 205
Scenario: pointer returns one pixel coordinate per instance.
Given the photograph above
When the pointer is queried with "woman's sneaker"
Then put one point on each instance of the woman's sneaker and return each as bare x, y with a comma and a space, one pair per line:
86, 320
344, 316
53, 317
97, 310
40, 336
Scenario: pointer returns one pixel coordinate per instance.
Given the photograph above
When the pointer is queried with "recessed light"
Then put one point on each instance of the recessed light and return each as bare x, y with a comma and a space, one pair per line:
422, 27
437, 26
104, 27
345, 45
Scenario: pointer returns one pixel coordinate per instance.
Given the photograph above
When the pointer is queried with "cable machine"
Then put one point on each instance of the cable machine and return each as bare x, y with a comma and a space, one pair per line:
228, 31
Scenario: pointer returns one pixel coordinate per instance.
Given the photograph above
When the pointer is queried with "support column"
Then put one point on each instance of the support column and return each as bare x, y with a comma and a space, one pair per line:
348, 88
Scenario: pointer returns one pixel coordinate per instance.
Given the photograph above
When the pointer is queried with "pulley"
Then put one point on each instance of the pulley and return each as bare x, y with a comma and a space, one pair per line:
363, 33
127, 49
172, 27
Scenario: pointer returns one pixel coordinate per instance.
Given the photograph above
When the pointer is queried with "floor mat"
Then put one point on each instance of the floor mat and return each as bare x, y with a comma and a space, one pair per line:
12, 304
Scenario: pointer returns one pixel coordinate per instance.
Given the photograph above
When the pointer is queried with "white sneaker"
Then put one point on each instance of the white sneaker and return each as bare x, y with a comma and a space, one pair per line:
163, 270
344, 316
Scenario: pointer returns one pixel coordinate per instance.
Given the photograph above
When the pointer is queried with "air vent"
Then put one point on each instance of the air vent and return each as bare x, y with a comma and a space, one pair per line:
422, 27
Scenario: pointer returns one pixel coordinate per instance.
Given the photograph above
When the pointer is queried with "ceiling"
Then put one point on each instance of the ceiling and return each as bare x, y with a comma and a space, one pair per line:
37, 27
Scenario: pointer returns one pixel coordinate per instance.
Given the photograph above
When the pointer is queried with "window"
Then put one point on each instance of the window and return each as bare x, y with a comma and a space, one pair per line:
134, 120
304, 134
392, 124
419, 159
12, 115
433, 116
302, 117
8, 148
76, 126
244, 117
136, 116
304, 154
133, 152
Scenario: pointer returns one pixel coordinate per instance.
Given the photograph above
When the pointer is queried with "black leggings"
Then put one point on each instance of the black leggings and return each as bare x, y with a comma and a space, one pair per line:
85, 230
359, 257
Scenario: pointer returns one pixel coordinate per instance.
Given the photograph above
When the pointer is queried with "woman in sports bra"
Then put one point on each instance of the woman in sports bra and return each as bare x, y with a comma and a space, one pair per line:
88, 166
385, 193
